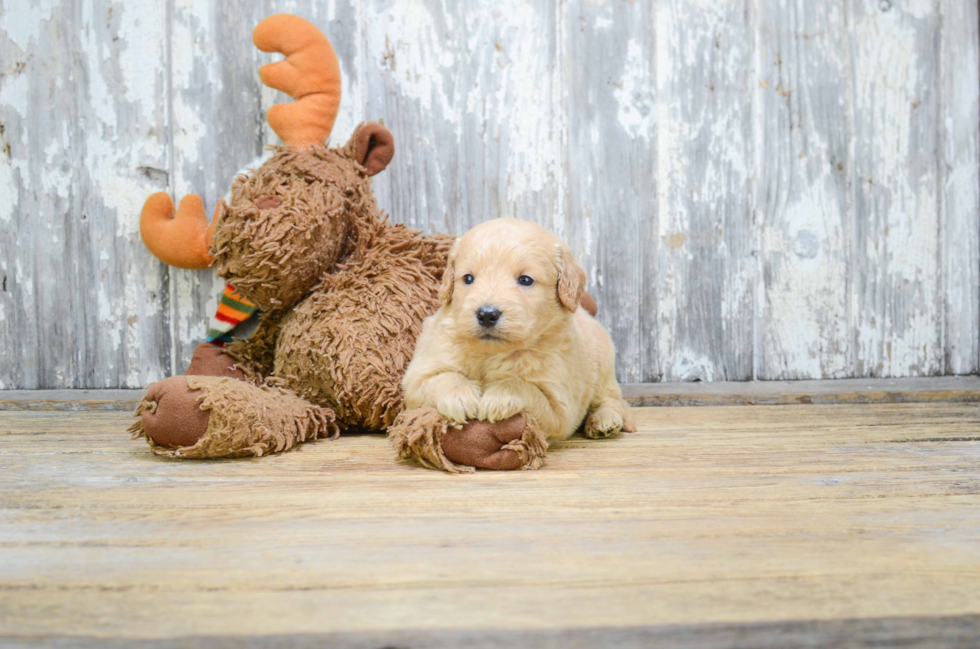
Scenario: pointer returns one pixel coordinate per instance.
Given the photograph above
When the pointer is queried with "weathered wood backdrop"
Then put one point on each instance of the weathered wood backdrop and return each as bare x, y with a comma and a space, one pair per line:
758, 188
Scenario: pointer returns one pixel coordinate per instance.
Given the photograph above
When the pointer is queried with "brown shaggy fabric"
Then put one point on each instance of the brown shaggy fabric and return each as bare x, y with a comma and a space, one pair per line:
531, 447
244, 420
347, 345
417, 435
420, 434
272, 253
257, 355
343, 338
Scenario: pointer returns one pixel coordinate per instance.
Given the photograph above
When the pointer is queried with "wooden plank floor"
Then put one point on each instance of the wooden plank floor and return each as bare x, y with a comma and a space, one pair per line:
829, 521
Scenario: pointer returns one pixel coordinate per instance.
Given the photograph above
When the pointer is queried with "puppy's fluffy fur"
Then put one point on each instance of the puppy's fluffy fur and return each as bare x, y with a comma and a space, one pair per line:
544, 356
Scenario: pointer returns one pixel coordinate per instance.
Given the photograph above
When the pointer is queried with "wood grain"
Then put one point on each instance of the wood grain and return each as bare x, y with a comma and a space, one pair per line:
960, 193
706, 233
611, 220
896, 303
769, 189
737, 515
24, 168
803, 195
82, 129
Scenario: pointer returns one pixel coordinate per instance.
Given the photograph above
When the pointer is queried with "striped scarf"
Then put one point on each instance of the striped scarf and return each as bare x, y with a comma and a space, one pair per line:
233, 309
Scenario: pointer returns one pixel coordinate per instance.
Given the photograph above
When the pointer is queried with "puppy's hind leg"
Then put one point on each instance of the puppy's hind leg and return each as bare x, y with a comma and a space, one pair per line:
607, 418
608, 413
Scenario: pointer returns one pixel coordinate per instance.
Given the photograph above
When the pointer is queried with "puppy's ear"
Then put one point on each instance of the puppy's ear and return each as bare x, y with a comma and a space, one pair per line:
449, 276
571, 279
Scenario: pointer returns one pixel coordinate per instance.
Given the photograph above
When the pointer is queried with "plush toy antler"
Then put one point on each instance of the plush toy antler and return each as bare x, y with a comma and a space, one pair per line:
311, 75
180, 240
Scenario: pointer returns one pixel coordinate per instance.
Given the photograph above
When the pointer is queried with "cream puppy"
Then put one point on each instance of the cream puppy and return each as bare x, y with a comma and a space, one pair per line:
512, 338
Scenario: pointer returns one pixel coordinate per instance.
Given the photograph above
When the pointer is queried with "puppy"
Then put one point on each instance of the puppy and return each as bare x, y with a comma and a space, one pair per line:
511, 337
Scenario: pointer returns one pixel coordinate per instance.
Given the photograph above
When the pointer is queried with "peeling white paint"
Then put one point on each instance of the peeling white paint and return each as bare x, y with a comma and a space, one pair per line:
706, 274
486, 101
140, 62
634, 94
898, 326
415, 49
804, 293
960, 194
13, 97
351, 108
192, 55
9, 196
21, 20
532, 154
688, 365
109, 318
24, 280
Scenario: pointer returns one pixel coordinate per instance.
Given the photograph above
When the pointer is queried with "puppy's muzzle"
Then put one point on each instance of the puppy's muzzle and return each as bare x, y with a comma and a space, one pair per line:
487, 316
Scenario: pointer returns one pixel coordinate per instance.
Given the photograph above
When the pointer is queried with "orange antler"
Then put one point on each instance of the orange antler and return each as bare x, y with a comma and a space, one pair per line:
180, 241
310, 74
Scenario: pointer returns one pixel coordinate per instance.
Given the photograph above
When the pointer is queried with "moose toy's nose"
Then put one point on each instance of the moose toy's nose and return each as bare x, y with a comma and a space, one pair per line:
487, 316
268, 202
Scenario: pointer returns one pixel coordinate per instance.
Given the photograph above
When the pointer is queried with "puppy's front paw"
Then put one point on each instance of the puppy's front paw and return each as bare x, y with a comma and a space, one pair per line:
498, 404
604, 422
460, 404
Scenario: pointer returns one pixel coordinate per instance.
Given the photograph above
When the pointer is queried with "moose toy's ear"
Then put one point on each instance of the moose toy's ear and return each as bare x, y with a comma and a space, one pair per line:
374, 147
449, 276
571, 279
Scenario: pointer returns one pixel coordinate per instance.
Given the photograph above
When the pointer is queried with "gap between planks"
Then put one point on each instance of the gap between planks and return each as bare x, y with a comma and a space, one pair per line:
962, 389
935, 633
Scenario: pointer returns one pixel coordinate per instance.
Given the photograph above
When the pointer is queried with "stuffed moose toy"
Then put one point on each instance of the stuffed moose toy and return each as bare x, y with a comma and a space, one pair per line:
341, 294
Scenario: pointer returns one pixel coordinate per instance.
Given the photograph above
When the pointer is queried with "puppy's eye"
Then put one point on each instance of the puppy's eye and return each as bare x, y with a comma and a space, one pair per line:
524, 280
467, 278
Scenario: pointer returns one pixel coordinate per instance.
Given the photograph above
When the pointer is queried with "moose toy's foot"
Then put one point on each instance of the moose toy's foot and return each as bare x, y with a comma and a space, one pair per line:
171, 413
425, 436
484, 445
211, 360
208, 416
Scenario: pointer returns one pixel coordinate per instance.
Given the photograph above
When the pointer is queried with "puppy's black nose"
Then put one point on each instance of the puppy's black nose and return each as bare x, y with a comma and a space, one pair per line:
487, 316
